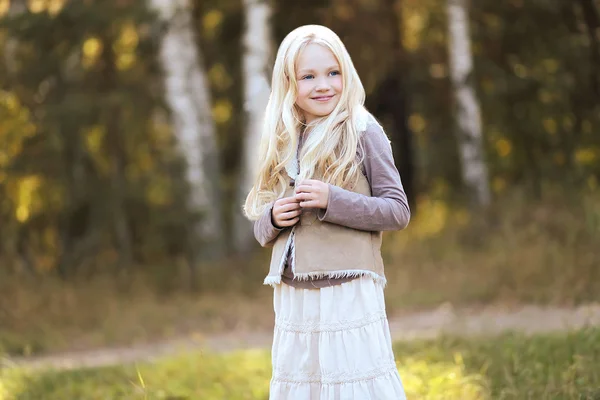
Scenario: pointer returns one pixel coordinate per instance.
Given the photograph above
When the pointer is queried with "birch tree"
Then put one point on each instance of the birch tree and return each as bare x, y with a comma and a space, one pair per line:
257, 44
188, 96
468, 115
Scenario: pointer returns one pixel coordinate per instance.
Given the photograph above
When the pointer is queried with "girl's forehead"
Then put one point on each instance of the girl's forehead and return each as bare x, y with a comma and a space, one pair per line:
315, 55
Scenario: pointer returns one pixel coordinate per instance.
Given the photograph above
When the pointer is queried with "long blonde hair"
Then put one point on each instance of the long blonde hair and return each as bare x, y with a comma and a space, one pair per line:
329, 152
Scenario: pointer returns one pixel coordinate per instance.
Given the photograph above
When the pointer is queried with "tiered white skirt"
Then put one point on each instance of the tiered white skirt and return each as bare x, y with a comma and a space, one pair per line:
333, 344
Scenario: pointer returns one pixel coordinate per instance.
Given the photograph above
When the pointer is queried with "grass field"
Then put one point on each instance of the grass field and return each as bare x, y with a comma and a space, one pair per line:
510, 366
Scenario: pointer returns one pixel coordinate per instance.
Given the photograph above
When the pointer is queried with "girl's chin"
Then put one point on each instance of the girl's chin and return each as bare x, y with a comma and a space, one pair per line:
319, 113
323, 111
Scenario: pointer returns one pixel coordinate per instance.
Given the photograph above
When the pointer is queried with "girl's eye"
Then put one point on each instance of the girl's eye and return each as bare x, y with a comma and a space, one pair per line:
334, 73
307, 77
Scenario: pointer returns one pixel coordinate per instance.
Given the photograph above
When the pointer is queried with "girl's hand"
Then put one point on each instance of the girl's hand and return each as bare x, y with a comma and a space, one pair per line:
312, 193
286, 212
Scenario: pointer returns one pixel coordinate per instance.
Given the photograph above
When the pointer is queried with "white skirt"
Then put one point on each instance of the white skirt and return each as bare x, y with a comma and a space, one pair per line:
333, 344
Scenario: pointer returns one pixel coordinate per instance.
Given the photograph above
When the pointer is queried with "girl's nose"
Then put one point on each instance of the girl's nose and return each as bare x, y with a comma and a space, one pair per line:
322, 85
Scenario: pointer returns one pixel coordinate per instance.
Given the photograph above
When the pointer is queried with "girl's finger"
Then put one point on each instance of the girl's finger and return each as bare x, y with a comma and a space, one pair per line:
288, 207
293, 221
284, 201
289, 200
309, 182
309, 204
306, 196
289, 222
304, 189
291, 214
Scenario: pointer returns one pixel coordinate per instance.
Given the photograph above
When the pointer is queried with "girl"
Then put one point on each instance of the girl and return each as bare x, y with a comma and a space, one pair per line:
326, 189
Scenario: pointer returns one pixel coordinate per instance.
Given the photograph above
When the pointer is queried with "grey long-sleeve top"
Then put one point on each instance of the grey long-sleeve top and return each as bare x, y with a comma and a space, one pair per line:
386, 210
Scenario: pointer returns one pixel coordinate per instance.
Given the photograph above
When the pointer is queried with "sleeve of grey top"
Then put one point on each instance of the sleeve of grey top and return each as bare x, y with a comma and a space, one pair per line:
264, 230
388, 208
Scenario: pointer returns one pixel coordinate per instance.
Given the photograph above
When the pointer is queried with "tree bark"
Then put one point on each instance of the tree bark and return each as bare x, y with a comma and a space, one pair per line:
257, 45
188, 96
398, 102
591, 16
118, 160
16, 8
468, 116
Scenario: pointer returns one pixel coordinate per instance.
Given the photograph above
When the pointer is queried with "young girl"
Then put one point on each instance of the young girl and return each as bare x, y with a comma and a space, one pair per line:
326, 189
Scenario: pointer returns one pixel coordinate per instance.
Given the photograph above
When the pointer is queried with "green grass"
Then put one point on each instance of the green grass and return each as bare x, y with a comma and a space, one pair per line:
510, 366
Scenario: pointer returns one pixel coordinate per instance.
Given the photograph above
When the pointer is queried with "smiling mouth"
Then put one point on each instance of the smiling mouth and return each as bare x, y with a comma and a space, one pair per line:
323, 98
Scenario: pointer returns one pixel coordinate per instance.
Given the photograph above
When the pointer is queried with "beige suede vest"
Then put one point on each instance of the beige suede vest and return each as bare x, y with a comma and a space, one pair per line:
320, 249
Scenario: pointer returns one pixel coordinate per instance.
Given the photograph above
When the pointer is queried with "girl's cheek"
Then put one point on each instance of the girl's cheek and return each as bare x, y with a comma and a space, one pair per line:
338, 83
303, 89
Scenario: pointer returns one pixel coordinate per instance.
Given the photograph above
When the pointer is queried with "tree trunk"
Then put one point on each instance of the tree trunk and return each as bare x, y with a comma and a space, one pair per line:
188, 96
468, 116
118, 160
399, 105
257, 45
17, 7
591, 16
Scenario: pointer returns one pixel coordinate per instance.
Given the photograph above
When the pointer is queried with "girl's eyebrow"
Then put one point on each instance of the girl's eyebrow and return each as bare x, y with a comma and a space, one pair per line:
312, 71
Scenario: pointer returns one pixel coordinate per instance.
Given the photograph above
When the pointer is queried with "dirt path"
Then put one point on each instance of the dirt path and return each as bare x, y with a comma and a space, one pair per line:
409, 326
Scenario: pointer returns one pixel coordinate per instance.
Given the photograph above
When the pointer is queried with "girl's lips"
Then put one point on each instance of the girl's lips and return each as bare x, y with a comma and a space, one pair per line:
323, 98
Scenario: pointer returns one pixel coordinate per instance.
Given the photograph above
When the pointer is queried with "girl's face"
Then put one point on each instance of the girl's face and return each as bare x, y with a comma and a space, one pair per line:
319, 82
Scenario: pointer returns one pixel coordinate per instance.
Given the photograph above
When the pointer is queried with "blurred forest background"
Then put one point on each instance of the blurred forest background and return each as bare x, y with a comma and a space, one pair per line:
128, 138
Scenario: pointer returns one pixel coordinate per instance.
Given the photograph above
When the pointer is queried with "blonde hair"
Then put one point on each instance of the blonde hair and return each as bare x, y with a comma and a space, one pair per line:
329, 152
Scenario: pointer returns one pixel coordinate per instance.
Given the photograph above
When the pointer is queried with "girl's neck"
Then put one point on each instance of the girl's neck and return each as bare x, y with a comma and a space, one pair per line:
304, 130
